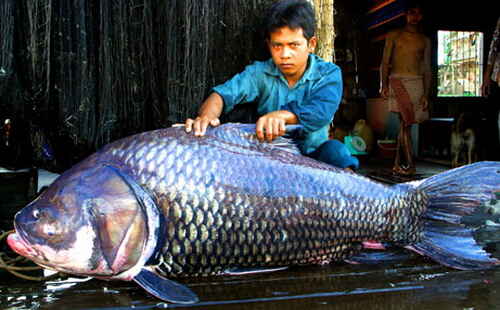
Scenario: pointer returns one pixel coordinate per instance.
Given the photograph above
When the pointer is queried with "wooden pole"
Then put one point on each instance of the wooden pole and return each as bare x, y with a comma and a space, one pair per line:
325, 29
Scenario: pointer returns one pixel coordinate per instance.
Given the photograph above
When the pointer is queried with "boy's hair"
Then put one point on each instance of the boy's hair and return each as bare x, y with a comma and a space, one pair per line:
290, 13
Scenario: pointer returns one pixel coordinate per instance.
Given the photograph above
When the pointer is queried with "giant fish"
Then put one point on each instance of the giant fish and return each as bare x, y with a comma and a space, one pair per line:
166, 204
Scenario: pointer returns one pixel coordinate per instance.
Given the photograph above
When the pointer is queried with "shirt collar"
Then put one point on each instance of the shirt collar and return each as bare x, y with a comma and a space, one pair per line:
311, 73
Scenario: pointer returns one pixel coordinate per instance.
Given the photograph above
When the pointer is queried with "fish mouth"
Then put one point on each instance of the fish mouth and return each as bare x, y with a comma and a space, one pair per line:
22, 247
17, 243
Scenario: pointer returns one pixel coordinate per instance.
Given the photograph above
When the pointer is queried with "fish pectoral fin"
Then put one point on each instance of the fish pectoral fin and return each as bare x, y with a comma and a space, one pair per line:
251, 270
165, 289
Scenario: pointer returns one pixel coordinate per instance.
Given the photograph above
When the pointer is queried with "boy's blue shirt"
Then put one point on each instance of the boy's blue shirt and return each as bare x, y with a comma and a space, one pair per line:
314, 98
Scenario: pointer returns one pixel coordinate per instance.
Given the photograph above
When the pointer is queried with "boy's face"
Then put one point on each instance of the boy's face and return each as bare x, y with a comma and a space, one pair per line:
414, 16
290, 51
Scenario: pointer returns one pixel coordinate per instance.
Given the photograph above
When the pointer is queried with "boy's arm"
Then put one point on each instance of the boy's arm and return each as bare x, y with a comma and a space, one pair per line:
241, 88
208, 114
318, 109
272, 125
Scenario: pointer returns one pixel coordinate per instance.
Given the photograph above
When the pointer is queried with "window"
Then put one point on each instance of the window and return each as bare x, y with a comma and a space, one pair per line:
460, 63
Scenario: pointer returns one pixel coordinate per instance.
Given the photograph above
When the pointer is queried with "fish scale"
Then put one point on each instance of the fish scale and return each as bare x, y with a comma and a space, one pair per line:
317, 239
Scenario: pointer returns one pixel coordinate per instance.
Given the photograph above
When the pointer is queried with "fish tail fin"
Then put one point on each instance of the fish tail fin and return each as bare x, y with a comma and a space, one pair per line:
452, 195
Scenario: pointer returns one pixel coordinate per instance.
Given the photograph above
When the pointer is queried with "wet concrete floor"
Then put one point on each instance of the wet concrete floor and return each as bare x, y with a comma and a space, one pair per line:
407, 282
412, 284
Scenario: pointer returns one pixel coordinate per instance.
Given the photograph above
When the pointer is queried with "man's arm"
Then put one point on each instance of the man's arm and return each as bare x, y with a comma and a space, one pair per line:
208, 114
426, 69
492, 55
485, 87
386, 62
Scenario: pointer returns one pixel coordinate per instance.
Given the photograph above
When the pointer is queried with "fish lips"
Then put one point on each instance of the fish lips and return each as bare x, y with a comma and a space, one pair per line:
17, 243
20, 242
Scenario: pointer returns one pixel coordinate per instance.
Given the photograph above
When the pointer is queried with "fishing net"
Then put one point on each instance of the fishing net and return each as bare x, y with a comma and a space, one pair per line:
89, 72
6, 43
11, 112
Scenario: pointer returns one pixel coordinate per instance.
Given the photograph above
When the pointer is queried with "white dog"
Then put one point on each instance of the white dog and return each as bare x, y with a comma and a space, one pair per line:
462, 144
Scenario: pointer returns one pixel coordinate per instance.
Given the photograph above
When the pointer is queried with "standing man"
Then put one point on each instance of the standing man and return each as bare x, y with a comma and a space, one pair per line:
405, 77
293, 87
491, 85
492, 72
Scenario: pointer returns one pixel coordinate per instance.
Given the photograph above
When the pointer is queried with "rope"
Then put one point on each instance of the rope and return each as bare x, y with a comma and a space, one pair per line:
9, 264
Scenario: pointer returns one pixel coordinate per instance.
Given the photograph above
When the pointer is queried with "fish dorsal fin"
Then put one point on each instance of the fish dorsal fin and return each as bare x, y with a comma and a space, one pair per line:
165, 289
243, 135
250, 270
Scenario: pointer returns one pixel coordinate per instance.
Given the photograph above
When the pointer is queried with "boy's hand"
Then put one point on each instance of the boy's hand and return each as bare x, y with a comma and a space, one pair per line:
272, 125
200, 124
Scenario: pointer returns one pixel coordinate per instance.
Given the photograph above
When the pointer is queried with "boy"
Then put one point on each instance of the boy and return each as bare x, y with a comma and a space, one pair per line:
293, 87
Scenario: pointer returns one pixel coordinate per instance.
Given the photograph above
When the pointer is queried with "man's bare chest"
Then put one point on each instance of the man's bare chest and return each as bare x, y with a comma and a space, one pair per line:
410, 44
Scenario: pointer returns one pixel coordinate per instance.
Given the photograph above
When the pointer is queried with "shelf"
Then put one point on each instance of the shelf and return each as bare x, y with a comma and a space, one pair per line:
380, 6
386, 21
385, 12
378, 38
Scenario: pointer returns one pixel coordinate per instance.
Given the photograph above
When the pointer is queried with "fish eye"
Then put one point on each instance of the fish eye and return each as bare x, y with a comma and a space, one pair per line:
36, 213
50, 231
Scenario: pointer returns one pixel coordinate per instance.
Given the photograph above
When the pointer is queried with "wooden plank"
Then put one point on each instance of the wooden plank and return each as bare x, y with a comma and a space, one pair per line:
386, 21
380, 6
378, 38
